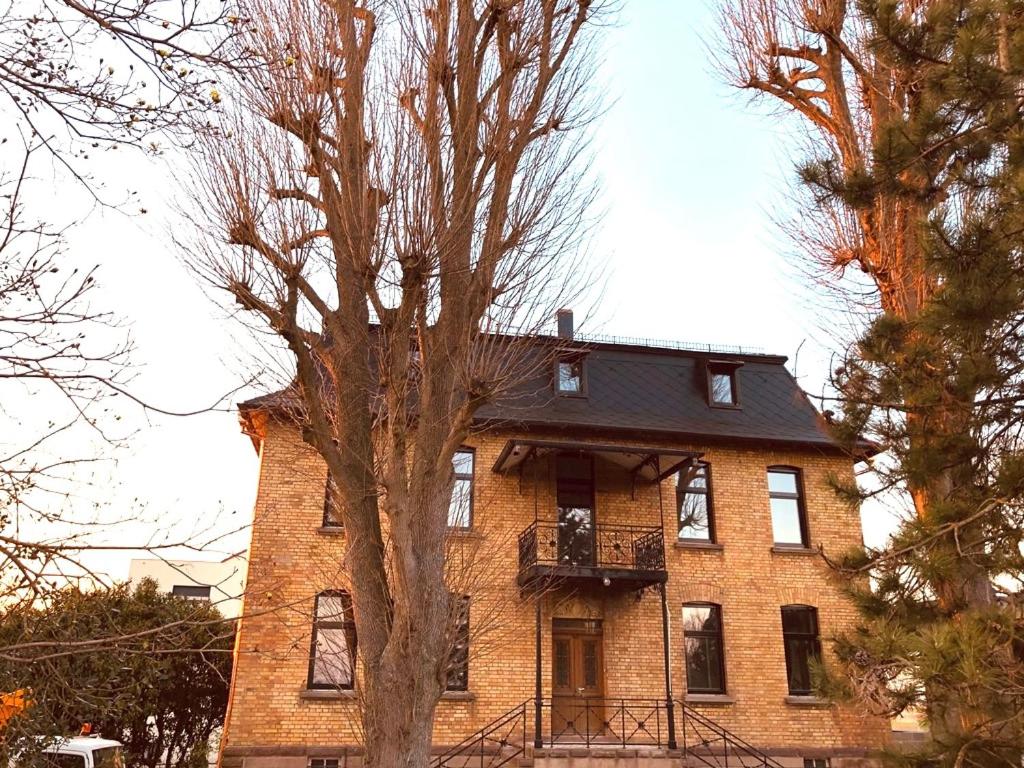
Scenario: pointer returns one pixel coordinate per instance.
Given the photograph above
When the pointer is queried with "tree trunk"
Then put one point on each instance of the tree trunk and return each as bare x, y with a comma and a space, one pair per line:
398, 721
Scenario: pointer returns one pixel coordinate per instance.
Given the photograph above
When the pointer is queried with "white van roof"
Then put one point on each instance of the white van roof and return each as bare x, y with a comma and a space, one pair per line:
80, 745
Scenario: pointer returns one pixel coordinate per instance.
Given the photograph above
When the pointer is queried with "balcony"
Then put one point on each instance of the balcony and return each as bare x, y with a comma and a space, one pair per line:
567, 550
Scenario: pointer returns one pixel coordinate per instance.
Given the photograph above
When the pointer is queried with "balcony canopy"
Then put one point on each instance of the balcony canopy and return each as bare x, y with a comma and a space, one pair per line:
649, 462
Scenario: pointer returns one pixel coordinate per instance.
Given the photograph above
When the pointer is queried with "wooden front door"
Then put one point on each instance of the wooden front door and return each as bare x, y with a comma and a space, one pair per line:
577, 676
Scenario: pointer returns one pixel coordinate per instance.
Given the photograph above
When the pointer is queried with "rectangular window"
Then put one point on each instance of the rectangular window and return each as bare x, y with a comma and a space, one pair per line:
722, 390
569, 378
723, 383
333, 648
191, 591
460, 508
458, 657
332, 506
800, 638
816, 762
324, 762
693, 503
702, 642
789, 525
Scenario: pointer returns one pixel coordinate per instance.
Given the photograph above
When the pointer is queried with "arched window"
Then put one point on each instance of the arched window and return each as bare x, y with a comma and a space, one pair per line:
458, 657
786, 499
460, 506
332, 504
694, 504
800, 638
702, 643
333, 647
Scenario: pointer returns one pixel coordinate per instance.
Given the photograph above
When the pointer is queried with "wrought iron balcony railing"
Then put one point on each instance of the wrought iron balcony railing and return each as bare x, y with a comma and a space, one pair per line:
572, 545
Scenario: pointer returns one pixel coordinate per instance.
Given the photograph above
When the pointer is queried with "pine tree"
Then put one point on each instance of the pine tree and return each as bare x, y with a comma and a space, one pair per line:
916, 177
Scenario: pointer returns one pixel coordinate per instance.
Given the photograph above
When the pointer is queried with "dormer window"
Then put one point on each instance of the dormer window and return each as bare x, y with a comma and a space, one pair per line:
723, 386
723, 390
570, 377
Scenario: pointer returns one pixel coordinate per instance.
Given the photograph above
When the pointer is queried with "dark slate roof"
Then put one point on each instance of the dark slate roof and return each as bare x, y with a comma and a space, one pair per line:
658, 391
655, 391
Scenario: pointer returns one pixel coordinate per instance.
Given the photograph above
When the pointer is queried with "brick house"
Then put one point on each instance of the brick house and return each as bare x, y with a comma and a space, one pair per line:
649, 518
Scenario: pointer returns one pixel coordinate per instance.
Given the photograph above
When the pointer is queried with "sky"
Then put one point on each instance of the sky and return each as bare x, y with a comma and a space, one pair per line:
692, 176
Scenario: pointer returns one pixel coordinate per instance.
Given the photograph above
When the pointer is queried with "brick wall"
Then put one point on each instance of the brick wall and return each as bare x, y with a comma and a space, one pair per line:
292, 559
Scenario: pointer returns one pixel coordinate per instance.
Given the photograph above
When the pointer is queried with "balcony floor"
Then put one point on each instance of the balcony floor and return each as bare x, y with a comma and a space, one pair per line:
579, 576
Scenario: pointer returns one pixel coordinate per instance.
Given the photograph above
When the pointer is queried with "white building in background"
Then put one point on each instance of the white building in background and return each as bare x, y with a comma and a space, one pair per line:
221, 582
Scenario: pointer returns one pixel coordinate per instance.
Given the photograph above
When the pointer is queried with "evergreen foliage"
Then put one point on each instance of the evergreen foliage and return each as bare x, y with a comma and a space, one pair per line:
146, 668
939, 388
916, 177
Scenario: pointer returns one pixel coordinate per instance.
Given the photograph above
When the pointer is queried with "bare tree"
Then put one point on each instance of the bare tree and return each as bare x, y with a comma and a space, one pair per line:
402, 197
80, 76
65, 388
52, 344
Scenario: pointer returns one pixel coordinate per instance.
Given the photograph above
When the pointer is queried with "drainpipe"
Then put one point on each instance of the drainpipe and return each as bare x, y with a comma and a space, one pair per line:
538, 738
670, 708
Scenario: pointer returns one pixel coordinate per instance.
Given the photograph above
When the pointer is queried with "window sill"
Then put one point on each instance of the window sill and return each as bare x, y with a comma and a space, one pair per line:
458, 696
777, 550
331, 530
807, 701
726, 406
327, 694
711, 546
709, 698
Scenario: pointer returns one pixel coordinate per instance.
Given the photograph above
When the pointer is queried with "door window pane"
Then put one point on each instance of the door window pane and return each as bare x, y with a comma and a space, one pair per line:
575, 498
561, 662
590, 663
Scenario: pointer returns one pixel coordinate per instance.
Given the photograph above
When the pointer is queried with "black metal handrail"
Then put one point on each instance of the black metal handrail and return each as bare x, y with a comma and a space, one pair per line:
574, 545
492, 746
598, 721
603, 721
713, 745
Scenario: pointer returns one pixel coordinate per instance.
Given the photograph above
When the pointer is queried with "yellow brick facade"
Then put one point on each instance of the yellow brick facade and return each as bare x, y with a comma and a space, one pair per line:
273, 720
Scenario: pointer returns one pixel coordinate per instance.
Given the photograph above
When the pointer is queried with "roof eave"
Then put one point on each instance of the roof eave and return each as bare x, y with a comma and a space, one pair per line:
527, 425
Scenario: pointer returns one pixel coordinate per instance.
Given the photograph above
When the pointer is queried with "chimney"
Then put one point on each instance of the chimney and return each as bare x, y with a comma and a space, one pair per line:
565, 327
